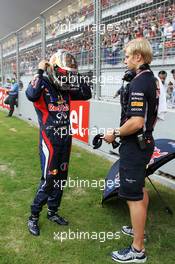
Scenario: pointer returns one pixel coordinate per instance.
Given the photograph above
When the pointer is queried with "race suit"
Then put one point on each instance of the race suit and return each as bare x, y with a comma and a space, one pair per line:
52, 106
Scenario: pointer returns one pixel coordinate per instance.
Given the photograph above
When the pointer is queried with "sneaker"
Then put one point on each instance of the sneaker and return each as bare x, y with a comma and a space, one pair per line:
33, 226
128, 230
129, 255
57, 219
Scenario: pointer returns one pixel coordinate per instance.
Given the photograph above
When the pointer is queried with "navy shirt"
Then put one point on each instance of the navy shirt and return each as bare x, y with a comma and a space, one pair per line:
142, 100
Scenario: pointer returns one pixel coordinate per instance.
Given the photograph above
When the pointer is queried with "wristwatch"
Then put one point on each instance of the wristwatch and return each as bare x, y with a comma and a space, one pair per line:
116, 132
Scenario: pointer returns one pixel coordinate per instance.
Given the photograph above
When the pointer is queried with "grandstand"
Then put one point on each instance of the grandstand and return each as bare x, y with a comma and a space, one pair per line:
92, 38
71, 26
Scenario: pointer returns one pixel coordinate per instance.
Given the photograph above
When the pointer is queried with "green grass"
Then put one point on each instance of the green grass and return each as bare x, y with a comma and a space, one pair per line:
19, 177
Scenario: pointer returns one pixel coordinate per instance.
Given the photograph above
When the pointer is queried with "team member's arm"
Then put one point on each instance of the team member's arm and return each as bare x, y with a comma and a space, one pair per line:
136, 114
132, 125
36, 86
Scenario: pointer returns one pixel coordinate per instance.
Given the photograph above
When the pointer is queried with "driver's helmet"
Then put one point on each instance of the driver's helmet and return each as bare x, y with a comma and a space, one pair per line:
63, 65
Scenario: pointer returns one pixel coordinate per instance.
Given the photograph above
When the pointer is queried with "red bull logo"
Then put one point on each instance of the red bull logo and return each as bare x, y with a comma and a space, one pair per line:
157, 154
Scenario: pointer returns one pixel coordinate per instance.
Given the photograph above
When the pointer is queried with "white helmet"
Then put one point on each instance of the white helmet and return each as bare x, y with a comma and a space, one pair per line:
64, 65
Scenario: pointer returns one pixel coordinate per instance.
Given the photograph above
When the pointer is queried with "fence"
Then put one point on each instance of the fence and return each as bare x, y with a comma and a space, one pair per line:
95, 32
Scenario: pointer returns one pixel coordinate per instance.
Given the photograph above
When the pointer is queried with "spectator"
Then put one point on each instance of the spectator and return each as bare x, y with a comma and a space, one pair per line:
21, 85
173, 94
169, 92
162, 75
7, 84
12, 98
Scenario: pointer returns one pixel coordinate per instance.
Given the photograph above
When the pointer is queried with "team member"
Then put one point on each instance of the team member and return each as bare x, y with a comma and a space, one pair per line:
51, 95
139, 113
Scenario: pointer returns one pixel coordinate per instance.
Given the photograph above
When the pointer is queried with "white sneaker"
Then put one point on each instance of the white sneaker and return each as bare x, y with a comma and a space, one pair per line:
128, 230
129, 255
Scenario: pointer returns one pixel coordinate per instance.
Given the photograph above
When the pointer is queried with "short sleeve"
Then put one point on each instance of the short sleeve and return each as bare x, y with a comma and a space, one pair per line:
137, 100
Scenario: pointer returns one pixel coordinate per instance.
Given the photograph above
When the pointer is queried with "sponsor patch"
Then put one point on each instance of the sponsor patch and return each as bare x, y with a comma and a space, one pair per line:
136, 109
138, 94
138, 104
53, 172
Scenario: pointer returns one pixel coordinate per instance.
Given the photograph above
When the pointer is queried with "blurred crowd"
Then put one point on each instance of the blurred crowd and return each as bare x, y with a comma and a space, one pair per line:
158, 25
167, 89
155, 23
79, 16
29, 61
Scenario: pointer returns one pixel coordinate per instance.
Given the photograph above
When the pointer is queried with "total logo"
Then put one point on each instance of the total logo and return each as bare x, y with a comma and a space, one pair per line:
79, 118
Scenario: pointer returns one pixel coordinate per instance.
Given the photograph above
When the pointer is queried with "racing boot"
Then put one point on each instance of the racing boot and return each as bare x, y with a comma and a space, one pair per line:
54, 217
33, 225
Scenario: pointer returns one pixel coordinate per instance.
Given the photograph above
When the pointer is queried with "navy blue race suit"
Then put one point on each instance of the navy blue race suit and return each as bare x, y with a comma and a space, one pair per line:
52, 106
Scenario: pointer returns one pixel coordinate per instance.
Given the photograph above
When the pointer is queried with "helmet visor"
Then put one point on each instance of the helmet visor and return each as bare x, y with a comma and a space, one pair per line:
69, 62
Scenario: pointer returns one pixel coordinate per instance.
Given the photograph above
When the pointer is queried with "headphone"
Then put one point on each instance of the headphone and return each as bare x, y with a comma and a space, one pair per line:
130, 74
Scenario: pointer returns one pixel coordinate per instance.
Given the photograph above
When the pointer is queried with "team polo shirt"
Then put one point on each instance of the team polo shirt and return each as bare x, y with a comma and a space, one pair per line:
143, 100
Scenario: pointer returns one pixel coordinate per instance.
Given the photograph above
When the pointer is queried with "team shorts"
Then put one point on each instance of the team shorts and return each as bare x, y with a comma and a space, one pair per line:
132, 168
